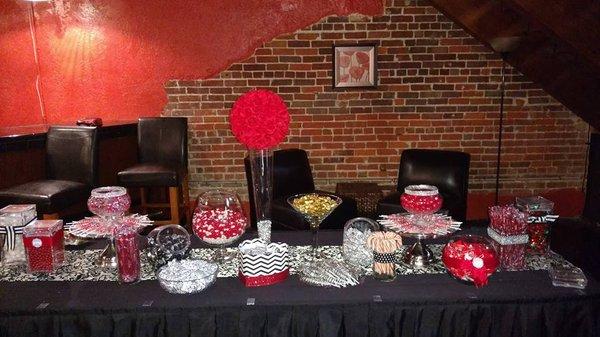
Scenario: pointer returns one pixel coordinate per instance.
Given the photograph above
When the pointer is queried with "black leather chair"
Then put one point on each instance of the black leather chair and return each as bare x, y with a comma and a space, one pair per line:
448, 170
71, 171
163, 162
292, 175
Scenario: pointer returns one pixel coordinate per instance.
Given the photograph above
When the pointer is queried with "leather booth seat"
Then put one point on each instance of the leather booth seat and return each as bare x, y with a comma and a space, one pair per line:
71, 157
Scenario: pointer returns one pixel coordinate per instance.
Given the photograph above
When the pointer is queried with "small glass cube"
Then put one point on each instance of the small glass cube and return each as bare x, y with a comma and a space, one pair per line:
43, 241
26, 212
538, 209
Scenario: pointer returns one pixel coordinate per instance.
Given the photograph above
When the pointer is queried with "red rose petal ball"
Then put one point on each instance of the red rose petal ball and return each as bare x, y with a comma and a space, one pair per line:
259, 119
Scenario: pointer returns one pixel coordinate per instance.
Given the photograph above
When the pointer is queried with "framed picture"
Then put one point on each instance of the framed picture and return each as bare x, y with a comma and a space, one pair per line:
355, 66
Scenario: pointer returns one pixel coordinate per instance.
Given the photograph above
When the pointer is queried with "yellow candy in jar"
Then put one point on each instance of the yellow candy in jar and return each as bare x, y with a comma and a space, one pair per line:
314, 205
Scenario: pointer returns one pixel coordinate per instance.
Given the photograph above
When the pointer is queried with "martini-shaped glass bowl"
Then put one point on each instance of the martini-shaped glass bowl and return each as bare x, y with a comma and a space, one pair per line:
315, 207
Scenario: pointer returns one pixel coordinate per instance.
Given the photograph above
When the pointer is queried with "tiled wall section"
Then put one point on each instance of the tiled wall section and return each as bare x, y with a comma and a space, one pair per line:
438, 88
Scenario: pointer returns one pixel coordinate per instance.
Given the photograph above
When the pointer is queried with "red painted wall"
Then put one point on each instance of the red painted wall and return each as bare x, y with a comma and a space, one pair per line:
111, 58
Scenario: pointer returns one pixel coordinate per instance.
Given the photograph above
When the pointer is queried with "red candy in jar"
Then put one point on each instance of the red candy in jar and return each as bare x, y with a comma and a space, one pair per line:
128, 253
470, 258
421, 199
219, 218
44, 246
109, 201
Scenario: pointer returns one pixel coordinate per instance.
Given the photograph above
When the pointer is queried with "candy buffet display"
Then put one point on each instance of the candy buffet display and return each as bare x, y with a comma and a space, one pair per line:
419, 226
12, 220
97, 228
263, 264
539, 211
421, 199
219, 218
508, 225
508, 229
329, 273
128, 253
109, 204
384, 246
315, 207
354, 248
470, 258
44, 247
187, 276
410, 224
166, 243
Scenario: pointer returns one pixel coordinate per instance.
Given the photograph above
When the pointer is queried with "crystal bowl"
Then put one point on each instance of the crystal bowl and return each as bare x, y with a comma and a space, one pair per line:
192, 276
421, 199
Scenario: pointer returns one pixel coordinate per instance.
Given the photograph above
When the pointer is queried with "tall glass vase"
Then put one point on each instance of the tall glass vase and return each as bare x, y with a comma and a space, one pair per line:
261, 163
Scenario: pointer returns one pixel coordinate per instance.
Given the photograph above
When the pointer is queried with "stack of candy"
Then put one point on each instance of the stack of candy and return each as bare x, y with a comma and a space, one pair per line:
219, 225
508, 228
470, 258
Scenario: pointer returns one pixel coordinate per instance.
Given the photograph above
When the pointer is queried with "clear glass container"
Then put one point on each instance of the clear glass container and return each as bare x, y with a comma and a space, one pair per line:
12, 224
166, 243
421, 199
109, 201
26, 212
470, 258
219, 220
354, 247
128, 253
44, 245
538, 210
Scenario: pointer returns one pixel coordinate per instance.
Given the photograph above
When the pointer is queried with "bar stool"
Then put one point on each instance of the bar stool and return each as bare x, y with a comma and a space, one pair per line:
71, 171
162, 152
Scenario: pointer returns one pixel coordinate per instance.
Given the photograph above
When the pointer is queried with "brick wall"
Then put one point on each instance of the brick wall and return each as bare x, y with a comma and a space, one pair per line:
438, 88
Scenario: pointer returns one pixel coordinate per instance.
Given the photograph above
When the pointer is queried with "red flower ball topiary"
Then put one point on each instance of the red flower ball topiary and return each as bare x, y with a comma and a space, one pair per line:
259, 119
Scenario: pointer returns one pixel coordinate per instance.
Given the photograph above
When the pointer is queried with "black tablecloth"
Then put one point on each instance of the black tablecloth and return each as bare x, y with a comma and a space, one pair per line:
512, 304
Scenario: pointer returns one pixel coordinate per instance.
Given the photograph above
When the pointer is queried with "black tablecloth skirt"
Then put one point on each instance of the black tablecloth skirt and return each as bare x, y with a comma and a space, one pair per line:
512, 304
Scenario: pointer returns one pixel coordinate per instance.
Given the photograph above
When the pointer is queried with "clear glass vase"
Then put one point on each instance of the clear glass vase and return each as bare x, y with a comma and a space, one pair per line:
261, 164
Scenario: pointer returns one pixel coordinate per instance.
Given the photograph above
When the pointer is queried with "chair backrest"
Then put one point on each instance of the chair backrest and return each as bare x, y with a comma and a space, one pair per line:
72, 154
448, 170
163, 140
291, 175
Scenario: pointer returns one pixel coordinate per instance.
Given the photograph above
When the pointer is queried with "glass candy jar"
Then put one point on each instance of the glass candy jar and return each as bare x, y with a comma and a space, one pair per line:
44, 245
421, 199
109, 201
354, 248
128, 253
470, 258
219, 219
166, 243
539, 212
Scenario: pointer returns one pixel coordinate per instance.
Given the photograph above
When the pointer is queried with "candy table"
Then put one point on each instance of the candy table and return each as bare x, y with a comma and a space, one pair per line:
512, 304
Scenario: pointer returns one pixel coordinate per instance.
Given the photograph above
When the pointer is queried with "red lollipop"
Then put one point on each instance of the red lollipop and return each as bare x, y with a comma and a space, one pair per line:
259, 119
